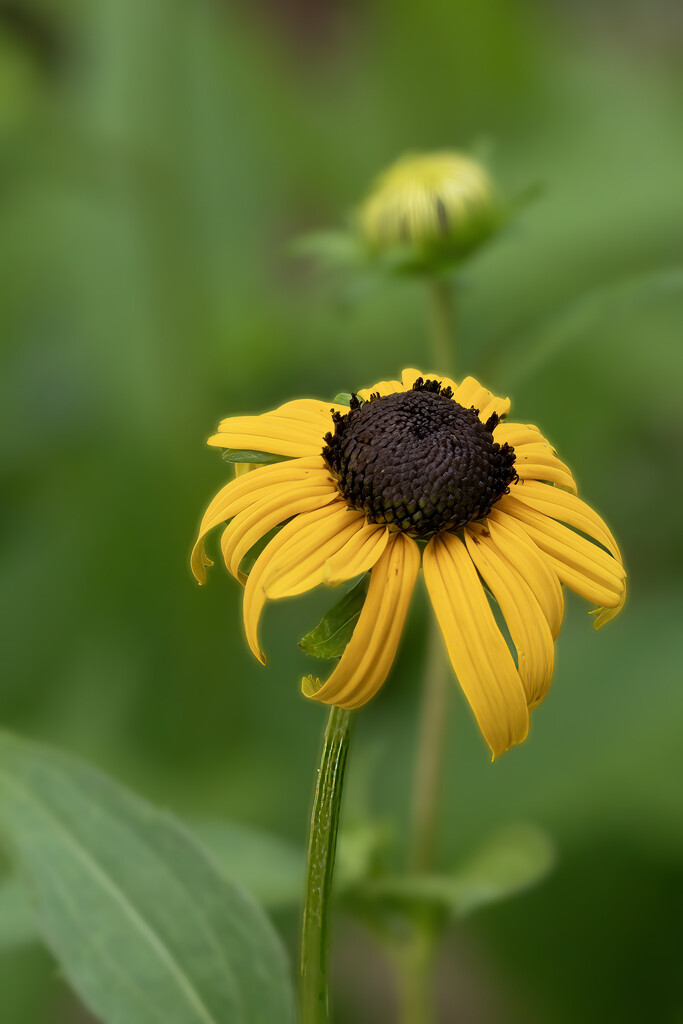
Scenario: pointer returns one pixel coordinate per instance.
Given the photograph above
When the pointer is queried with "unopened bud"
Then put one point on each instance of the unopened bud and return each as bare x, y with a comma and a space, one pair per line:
430, 209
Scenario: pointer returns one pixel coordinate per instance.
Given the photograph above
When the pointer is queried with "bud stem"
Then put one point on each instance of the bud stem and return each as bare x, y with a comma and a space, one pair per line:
321, 854
441, 302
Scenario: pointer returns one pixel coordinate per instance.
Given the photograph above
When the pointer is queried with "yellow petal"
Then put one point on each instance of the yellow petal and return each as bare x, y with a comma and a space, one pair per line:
471, 393
370, 653
303, 411
479, 655
510, 539
583, 566
568, 509
338, 548
249, 488
523, 614
520, 433
528, 470
295, 429
410, 375
537, 462
254, 592
247, 528
383, 387
605, 615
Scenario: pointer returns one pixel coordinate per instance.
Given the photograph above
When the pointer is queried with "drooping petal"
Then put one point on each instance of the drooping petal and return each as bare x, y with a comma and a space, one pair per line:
341, 547
524, 617
249, 488
332, 542
510, 539
568, 509
584, 567
471, 393
369, 654
295, 429
478, 652
605, 615
251, 525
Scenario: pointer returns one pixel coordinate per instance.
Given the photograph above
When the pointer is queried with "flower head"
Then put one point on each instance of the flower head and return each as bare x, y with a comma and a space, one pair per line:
418, 472
435, 207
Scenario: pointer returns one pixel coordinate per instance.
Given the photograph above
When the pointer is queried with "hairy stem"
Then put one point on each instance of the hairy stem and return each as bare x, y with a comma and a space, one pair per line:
321, 853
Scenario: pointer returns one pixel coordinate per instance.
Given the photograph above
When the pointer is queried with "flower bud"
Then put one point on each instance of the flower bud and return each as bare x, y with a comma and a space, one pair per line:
429, 210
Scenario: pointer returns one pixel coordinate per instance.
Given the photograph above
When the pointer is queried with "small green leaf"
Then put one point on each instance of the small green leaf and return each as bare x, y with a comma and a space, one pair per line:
332, 634
144, 925
256, 458
509, 863
343, 398
17, 918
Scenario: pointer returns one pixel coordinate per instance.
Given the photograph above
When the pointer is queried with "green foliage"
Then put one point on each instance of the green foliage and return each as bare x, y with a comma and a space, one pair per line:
267, 866
143, 924
509, 863
333, 632
254, 458
17, 917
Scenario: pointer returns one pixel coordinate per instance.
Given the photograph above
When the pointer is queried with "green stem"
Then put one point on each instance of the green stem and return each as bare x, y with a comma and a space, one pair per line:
441, 303
416, 979
430, 754
321, 853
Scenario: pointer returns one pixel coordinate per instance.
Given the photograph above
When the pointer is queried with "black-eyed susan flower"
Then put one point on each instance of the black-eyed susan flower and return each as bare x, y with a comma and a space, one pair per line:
418, 472
435, 207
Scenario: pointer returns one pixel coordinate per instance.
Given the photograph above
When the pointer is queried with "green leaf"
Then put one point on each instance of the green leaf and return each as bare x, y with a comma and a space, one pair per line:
332, 634
343, 398
510, 862
144, 925
17, 917
269, 867
255, 458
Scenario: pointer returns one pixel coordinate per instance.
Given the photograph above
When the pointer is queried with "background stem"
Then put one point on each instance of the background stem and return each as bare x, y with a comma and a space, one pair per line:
441, 311
321, 853
430, 751
415, 979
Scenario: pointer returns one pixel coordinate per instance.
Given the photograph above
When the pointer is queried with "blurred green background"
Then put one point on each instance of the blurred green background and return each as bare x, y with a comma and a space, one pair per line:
156, 159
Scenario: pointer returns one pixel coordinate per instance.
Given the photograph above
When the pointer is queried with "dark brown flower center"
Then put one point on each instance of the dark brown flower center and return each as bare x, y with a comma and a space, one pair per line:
417, 460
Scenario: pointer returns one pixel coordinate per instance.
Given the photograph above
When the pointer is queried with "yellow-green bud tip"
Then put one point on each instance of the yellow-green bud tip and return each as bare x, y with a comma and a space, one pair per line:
436, 207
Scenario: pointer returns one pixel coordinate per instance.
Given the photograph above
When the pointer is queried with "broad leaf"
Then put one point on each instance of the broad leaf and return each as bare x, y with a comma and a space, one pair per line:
509, 863
332, 634
269, 867
143, 923
17, 917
